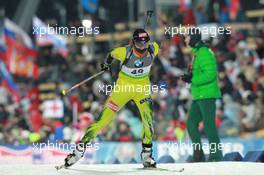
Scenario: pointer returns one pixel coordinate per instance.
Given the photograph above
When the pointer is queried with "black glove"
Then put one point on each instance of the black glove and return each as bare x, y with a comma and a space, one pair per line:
105, 67
187, 77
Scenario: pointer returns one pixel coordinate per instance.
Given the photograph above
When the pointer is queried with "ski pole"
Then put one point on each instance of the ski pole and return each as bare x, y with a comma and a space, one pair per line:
66, 91
149, 14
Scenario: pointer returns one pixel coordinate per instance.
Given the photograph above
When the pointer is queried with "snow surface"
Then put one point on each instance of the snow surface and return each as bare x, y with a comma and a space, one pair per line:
216, 168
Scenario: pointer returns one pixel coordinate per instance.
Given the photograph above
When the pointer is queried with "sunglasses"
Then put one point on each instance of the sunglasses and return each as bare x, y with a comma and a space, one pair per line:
141, 44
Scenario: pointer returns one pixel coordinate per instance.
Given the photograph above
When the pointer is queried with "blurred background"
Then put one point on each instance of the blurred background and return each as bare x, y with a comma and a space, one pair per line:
35, 69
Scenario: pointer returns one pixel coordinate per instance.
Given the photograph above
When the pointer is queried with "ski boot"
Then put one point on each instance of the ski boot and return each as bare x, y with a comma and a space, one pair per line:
198, 156
73, 157
146, 156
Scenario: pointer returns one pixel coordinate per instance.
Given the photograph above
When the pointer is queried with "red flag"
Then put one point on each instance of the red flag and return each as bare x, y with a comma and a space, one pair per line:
20, 60
234, 8
20, 54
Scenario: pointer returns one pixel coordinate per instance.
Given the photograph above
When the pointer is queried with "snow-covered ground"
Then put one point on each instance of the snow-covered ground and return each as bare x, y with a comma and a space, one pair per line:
219, 168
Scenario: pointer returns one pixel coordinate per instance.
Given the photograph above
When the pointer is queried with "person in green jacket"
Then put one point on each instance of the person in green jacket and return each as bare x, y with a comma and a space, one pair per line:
202, 75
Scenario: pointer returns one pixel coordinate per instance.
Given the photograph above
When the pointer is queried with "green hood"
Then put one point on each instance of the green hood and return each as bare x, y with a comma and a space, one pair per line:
200, 44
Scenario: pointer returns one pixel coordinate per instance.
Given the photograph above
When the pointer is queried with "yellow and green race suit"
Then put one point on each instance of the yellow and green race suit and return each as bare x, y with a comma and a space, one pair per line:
132, 84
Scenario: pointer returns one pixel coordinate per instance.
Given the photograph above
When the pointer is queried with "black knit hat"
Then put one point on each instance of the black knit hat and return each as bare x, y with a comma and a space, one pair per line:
195, 36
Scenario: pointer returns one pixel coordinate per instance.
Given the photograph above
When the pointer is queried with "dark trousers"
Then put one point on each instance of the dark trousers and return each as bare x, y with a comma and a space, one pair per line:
204, 110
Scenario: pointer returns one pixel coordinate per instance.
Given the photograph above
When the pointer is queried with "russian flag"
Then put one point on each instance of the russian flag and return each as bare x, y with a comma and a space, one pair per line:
45, 38
14, 33
2, 40
8, 81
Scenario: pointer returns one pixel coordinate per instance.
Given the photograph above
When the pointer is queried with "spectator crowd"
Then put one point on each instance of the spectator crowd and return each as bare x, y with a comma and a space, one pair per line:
240, 113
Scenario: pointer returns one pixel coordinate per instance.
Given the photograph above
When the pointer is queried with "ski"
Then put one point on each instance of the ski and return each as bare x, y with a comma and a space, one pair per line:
162, 169
60, 167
